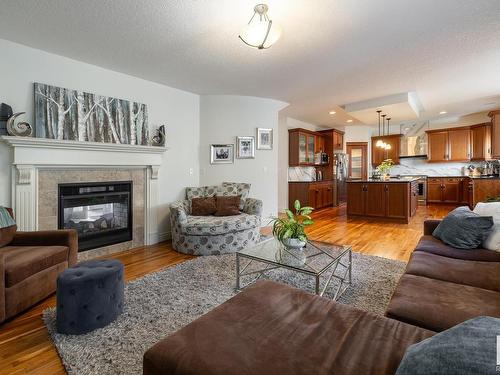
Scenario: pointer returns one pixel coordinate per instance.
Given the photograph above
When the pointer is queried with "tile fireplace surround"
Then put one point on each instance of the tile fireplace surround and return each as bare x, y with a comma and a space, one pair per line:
39, 165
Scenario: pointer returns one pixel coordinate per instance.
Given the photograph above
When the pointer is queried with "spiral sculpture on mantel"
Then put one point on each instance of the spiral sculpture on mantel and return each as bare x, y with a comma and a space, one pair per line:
20, 129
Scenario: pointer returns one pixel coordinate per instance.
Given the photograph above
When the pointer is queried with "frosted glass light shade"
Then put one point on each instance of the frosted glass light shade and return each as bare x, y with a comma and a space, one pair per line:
379, 143
387, 146
260, 32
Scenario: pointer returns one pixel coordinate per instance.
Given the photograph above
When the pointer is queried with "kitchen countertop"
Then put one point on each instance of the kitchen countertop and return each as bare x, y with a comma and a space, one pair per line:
309, 182
391, 180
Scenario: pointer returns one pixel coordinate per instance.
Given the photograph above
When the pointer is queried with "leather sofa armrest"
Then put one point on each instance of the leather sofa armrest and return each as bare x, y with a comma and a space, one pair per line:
430, 225
253, 207
2, 288
63, 237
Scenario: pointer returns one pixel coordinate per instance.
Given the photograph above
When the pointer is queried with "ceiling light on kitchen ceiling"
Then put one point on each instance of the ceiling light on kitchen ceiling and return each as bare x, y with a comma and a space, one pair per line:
260, 32
443, 113
332, 112
349, 120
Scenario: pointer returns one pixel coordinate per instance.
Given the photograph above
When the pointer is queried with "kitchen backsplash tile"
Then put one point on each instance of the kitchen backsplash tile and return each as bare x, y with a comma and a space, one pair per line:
421, 166
301, 174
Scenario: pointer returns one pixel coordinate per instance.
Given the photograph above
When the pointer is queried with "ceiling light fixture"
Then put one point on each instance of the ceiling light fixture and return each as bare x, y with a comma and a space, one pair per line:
260, 32
332, 112
349, 120
443, 113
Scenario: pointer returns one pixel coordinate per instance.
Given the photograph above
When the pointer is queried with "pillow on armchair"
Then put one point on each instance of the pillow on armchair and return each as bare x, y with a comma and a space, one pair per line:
8, 226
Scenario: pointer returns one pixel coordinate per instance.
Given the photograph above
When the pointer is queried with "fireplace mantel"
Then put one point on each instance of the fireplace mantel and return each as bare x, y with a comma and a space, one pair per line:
32, 154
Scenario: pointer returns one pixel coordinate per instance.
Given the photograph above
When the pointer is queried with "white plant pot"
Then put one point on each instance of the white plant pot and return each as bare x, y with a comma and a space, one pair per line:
294, 244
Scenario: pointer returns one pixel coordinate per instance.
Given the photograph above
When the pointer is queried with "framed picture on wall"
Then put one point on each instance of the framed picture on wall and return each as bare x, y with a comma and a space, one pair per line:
245, 147
264, 139
222, 154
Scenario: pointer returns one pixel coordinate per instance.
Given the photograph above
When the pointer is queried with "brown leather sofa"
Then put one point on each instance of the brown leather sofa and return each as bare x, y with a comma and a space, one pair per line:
271, 328
274, 329
443, 286
29, 266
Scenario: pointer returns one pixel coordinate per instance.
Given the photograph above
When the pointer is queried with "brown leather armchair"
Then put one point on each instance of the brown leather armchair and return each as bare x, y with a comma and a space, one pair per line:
29, 266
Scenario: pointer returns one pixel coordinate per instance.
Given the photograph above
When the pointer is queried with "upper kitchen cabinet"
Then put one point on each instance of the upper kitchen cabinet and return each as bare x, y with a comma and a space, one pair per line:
495, 134
303, 145
452, 144
438, 146
481, 141
334, 140
459, 144
380, 154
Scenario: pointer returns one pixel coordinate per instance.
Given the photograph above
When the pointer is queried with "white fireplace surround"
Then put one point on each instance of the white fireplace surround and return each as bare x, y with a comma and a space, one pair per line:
33, 154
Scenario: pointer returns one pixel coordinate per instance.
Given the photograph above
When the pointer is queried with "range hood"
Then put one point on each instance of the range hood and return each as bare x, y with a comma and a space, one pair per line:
414, 140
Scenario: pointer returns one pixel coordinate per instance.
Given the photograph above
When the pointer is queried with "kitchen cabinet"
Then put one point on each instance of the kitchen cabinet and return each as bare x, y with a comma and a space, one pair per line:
482, 189
319, 144
438, 146
317, 194
334, 140
395, 201
301, 147
452, 144
481, 142
379, 154
495, 134
338, 140
375, 196
445, 190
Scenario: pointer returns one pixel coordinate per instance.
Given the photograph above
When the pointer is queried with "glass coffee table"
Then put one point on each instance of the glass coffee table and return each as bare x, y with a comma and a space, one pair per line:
327, 262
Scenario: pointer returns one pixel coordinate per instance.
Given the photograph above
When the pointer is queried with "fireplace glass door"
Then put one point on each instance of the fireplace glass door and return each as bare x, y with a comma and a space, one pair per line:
101, 213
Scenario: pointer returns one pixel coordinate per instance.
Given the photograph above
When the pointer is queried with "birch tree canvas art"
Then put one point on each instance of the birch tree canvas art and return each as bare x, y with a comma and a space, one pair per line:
79, 116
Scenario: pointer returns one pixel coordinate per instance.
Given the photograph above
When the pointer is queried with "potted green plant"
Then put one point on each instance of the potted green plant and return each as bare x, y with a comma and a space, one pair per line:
290, 230
385, 167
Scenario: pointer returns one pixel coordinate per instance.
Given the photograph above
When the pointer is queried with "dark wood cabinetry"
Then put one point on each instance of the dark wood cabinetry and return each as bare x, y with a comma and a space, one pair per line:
379, 154
452, 190
315, 194
395, 201
481, 141
334, 140
495, 134
301, 147
452, 144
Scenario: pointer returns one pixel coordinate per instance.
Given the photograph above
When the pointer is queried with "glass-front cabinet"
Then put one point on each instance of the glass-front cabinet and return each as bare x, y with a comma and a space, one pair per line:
302, 146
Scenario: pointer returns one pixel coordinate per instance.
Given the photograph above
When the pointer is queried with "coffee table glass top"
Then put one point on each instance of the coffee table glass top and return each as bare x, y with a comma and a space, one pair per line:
317, 259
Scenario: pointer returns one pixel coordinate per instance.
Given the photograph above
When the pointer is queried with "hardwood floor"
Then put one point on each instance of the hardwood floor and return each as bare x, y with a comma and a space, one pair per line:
25, 346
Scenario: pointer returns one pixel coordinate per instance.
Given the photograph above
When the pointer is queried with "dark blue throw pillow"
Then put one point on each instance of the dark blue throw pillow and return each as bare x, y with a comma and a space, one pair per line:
463, 228
466, 349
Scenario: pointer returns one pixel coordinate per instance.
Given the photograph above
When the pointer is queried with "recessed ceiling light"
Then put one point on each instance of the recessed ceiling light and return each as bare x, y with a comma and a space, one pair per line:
349, 120
332, 112
443, 113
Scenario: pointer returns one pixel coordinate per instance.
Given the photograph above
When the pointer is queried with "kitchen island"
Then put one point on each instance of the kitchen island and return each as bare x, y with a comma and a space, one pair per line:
395, 199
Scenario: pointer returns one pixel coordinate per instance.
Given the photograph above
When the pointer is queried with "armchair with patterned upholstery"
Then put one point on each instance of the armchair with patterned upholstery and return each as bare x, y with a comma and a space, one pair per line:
213, 235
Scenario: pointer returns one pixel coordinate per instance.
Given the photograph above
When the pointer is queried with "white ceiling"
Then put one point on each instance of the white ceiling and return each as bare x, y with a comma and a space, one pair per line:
332, 52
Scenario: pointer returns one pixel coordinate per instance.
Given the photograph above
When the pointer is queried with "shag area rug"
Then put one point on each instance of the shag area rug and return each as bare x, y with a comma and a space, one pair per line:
163, 302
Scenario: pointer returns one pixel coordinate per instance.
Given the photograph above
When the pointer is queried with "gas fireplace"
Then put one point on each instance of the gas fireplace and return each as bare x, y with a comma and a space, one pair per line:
101, 213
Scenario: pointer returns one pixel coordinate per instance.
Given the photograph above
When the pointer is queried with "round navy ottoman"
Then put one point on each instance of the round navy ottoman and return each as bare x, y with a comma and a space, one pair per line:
89, 296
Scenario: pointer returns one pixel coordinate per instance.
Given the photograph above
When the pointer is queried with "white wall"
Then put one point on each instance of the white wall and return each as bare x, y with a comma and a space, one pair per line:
20, 66
222, 118
286, 123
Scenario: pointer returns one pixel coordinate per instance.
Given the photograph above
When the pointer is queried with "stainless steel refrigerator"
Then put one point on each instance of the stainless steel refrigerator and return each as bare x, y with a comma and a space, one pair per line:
340, 170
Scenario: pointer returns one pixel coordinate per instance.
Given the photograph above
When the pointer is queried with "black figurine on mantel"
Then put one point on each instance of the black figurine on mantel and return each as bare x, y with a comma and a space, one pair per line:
5, 113
160, 137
